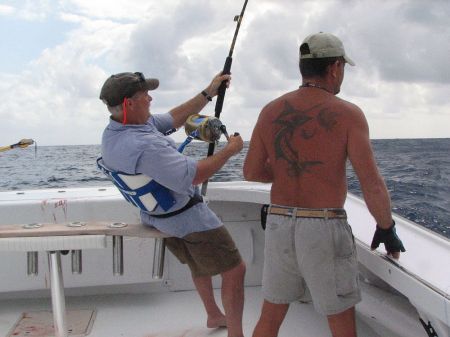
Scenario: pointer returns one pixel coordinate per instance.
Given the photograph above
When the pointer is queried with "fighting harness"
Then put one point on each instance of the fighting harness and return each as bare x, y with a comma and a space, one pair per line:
144, 192
139, 189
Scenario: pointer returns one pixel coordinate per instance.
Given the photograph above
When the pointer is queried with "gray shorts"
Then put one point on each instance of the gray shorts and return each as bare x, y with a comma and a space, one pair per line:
314, 254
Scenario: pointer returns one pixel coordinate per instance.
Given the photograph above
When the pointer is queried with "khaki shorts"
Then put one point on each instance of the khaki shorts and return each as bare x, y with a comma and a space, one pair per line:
206, 253
318, 255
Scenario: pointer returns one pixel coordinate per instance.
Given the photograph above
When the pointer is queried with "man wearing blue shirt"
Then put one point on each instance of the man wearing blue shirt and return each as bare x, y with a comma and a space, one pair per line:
134, 143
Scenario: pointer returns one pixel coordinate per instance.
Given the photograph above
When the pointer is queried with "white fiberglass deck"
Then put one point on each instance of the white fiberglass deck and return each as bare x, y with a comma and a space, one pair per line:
170, 314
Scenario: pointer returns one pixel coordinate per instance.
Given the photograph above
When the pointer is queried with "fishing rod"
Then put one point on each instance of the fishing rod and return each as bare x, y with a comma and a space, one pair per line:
223, 86
22, 144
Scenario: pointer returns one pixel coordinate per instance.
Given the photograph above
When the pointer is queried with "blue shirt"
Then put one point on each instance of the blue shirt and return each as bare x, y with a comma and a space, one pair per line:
135, 149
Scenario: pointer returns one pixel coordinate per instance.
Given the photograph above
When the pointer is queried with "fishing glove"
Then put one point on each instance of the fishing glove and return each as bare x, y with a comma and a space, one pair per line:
389, 237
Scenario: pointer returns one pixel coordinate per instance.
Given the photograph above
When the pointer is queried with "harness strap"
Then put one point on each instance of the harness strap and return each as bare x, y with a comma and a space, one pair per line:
193, 201
189, 138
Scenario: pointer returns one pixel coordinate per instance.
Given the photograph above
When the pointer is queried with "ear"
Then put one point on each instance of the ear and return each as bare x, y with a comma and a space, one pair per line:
333, 68
128, 102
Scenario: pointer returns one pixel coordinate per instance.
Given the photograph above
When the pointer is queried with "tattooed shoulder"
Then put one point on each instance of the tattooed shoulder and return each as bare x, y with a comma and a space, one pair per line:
327, 119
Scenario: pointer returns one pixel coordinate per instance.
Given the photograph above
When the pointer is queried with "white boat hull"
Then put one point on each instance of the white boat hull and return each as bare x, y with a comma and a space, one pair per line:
395, 294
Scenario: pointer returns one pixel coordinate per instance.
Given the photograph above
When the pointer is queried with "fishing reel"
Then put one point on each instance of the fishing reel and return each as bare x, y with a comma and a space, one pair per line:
205, 128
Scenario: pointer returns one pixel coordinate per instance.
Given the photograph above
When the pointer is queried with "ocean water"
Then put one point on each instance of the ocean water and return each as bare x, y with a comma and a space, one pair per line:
416, 171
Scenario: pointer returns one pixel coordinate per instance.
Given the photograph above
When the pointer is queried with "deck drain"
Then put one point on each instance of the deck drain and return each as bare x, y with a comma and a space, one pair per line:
40, 324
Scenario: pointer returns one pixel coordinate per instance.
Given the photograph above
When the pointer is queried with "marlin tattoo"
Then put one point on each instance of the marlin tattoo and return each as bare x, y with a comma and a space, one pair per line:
290, 119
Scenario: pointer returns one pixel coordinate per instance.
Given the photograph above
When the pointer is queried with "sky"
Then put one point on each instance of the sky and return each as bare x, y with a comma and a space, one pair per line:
56, 55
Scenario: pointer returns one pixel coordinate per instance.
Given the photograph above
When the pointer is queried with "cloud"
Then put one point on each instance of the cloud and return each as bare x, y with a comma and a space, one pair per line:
400, 48
6, 10
403, 40
29, 10
118, 10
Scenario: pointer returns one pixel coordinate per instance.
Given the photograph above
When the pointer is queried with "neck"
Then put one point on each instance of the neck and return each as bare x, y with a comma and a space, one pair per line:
116, 119
315, 84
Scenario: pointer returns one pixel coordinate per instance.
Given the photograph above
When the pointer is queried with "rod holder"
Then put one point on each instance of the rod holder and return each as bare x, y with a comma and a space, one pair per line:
117, 254
77, 263
57, 292
32, 263
158, 258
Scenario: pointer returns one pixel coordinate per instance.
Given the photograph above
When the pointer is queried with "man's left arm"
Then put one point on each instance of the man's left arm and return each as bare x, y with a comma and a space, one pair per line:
256, 165
198, 102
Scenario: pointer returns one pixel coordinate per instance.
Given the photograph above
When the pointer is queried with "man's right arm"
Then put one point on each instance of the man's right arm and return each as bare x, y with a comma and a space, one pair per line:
208, 166
256, 164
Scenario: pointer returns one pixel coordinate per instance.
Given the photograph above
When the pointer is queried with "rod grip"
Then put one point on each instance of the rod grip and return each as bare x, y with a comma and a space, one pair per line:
211, 149
223, 87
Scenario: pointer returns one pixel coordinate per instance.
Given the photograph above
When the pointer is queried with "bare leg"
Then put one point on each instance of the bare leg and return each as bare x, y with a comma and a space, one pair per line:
272, 315
215, 316
233, 299
343, 324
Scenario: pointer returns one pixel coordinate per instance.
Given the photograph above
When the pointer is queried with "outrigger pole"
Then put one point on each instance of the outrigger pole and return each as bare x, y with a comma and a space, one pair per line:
223, 86
22, 144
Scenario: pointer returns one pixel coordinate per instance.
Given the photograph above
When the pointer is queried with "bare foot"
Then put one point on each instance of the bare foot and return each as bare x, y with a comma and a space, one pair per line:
216, 322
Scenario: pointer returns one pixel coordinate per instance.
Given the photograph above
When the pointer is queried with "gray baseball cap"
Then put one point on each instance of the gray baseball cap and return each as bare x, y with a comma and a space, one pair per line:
122, 85
323, 45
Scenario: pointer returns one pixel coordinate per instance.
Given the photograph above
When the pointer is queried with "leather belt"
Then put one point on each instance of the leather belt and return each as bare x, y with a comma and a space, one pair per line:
323, 213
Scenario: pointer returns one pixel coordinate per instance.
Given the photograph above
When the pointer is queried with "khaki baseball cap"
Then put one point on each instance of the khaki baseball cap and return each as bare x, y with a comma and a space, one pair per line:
122, 85
323, 45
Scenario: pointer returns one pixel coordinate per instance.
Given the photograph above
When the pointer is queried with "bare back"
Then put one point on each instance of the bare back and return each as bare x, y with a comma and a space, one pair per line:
304, 135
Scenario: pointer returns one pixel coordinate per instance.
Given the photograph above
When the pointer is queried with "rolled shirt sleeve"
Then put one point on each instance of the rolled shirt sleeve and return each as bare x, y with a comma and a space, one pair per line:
162, 122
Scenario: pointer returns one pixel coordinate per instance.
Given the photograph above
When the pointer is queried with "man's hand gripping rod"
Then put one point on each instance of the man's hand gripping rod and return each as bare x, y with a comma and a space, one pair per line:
223, 86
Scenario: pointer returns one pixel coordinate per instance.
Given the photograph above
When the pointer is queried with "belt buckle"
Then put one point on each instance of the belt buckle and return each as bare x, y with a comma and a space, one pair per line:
293, 212
290, 212
326, 213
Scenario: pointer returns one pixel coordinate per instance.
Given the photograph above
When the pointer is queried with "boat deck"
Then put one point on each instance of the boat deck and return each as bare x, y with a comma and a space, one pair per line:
167, 314
398, 291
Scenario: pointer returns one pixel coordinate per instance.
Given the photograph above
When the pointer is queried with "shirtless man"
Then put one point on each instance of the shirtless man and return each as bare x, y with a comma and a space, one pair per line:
300, 144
